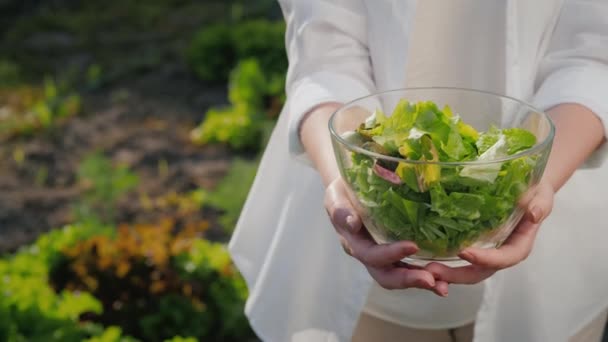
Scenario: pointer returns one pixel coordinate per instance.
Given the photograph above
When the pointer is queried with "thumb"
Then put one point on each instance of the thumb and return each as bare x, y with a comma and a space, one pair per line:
341, 211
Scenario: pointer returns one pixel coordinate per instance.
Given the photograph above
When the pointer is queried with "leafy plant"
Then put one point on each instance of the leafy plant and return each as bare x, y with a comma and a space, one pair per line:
152, 274
111, 334
9, 73
104, 185
29, 109
232, 126
30, 310
263, 40
215, 49
210, 264
248, 85
176, 315
183, 204
231, 192
212, 54
240, 125
182, 339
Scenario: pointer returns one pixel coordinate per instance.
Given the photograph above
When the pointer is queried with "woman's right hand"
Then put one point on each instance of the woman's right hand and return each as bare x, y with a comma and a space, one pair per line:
383, 261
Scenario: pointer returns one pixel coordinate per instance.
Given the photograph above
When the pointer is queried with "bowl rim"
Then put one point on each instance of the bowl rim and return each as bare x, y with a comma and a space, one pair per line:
547, 142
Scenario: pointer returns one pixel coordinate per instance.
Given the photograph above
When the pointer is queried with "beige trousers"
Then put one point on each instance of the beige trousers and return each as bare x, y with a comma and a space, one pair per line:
372, 329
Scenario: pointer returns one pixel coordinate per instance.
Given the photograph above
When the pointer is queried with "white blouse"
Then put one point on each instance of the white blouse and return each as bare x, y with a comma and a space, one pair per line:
437, 57
302, 286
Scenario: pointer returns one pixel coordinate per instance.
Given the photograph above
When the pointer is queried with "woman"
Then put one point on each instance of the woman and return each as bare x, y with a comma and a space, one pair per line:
304, 287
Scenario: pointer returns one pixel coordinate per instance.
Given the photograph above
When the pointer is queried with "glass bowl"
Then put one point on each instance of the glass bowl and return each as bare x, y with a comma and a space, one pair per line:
467, 203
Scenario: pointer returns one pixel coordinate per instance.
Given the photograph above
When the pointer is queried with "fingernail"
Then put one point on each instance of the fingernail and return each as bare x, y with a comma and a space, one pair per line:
350, 221
408, 250
430, 283
443, 293
467, 256
537, 214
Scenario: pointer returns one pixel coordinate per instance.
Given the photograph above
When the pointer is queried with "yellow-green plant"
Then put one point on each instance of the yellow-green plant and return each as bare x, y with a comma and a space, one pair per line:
158, 281
30, 309
28, 109
104, 184
239, 125
231, 193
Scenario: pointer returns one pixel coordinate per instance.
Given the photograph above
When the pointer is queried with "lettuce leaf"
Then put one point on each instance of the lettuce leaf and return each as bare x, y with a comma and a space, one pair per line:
518, 139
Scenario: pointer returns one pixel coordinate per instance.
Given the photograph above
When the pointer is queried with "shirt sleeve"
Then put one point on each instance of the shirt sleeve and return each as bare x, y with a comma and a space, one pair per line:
326, 43
575, 67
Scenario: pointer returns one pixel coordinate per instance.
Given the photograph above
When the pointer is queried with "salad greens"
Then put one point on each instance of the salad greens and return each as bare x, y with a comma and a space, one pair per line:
441, 208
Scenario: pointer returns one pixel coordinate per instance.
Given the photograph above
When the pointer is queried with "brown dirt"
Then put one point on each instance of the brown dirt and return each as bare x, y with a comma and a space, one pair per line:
142, 122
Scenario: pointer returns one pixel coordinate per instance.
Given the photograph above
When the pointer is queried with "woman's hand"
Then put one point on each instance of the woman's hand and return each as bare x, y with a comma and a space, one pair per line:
383, 262
485, 262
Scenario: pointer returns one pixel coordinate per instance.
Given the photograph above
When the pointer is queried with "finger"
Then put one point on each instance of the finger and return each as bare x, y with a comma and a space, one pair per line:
340, 210
345, 245
441, 288
526, 197
402, 278
516, 248
406, 265
378, 255
472, 274
540, 206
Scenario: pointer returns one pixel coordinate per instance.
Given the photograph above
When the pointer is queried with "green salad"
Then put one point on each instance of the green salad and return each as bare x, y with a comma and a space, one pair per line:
443, 208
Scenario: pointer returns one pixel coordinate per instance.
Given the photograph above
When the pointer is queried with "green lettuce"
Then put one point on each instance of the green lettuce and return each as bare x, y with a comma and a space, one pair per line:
442, 209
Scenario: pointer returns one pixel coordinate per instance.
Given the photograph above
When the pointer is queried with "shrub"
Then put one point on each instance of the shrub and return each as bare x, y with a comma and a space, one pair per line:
263, 40
212, 54
248, 85
30, 310
239, 125
215, 49
9, 73
233, 126
83, 283
152, 274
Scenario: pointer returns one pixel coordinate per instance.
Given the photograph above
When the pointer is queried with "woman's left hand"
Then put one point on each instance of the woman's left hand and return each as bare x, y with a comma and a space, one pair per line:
485, 262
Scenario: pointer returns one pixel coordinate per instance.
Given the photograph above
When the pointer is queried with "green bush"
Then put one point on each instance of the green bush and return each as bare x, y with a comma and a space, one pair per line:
104, 185
215, 49
30, 309
72, 285
264, 41
212, 53
210, 264
158, 281
9, 73
231, 192
233, 126
241, 124
248, 85
111, 334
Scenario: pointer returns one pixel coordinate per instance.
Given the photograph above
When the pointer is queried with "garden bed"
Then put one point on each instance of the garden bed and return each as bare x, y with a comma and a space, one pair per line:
125, 166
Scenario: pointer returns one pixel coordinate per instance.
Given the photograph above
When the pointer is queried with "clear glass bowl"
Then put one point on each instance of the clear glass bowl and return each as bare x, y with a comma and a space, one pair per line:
491, 209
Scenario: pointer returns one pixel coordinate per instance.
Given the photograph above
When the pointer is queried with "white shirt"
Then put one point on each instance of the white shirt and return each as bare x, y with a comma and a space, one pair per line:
302, 285
430, 62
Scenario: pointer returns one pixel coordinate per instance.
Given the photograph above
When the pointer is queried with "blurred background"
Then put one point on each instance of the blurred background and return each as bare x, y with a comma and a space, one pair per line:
130, 133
